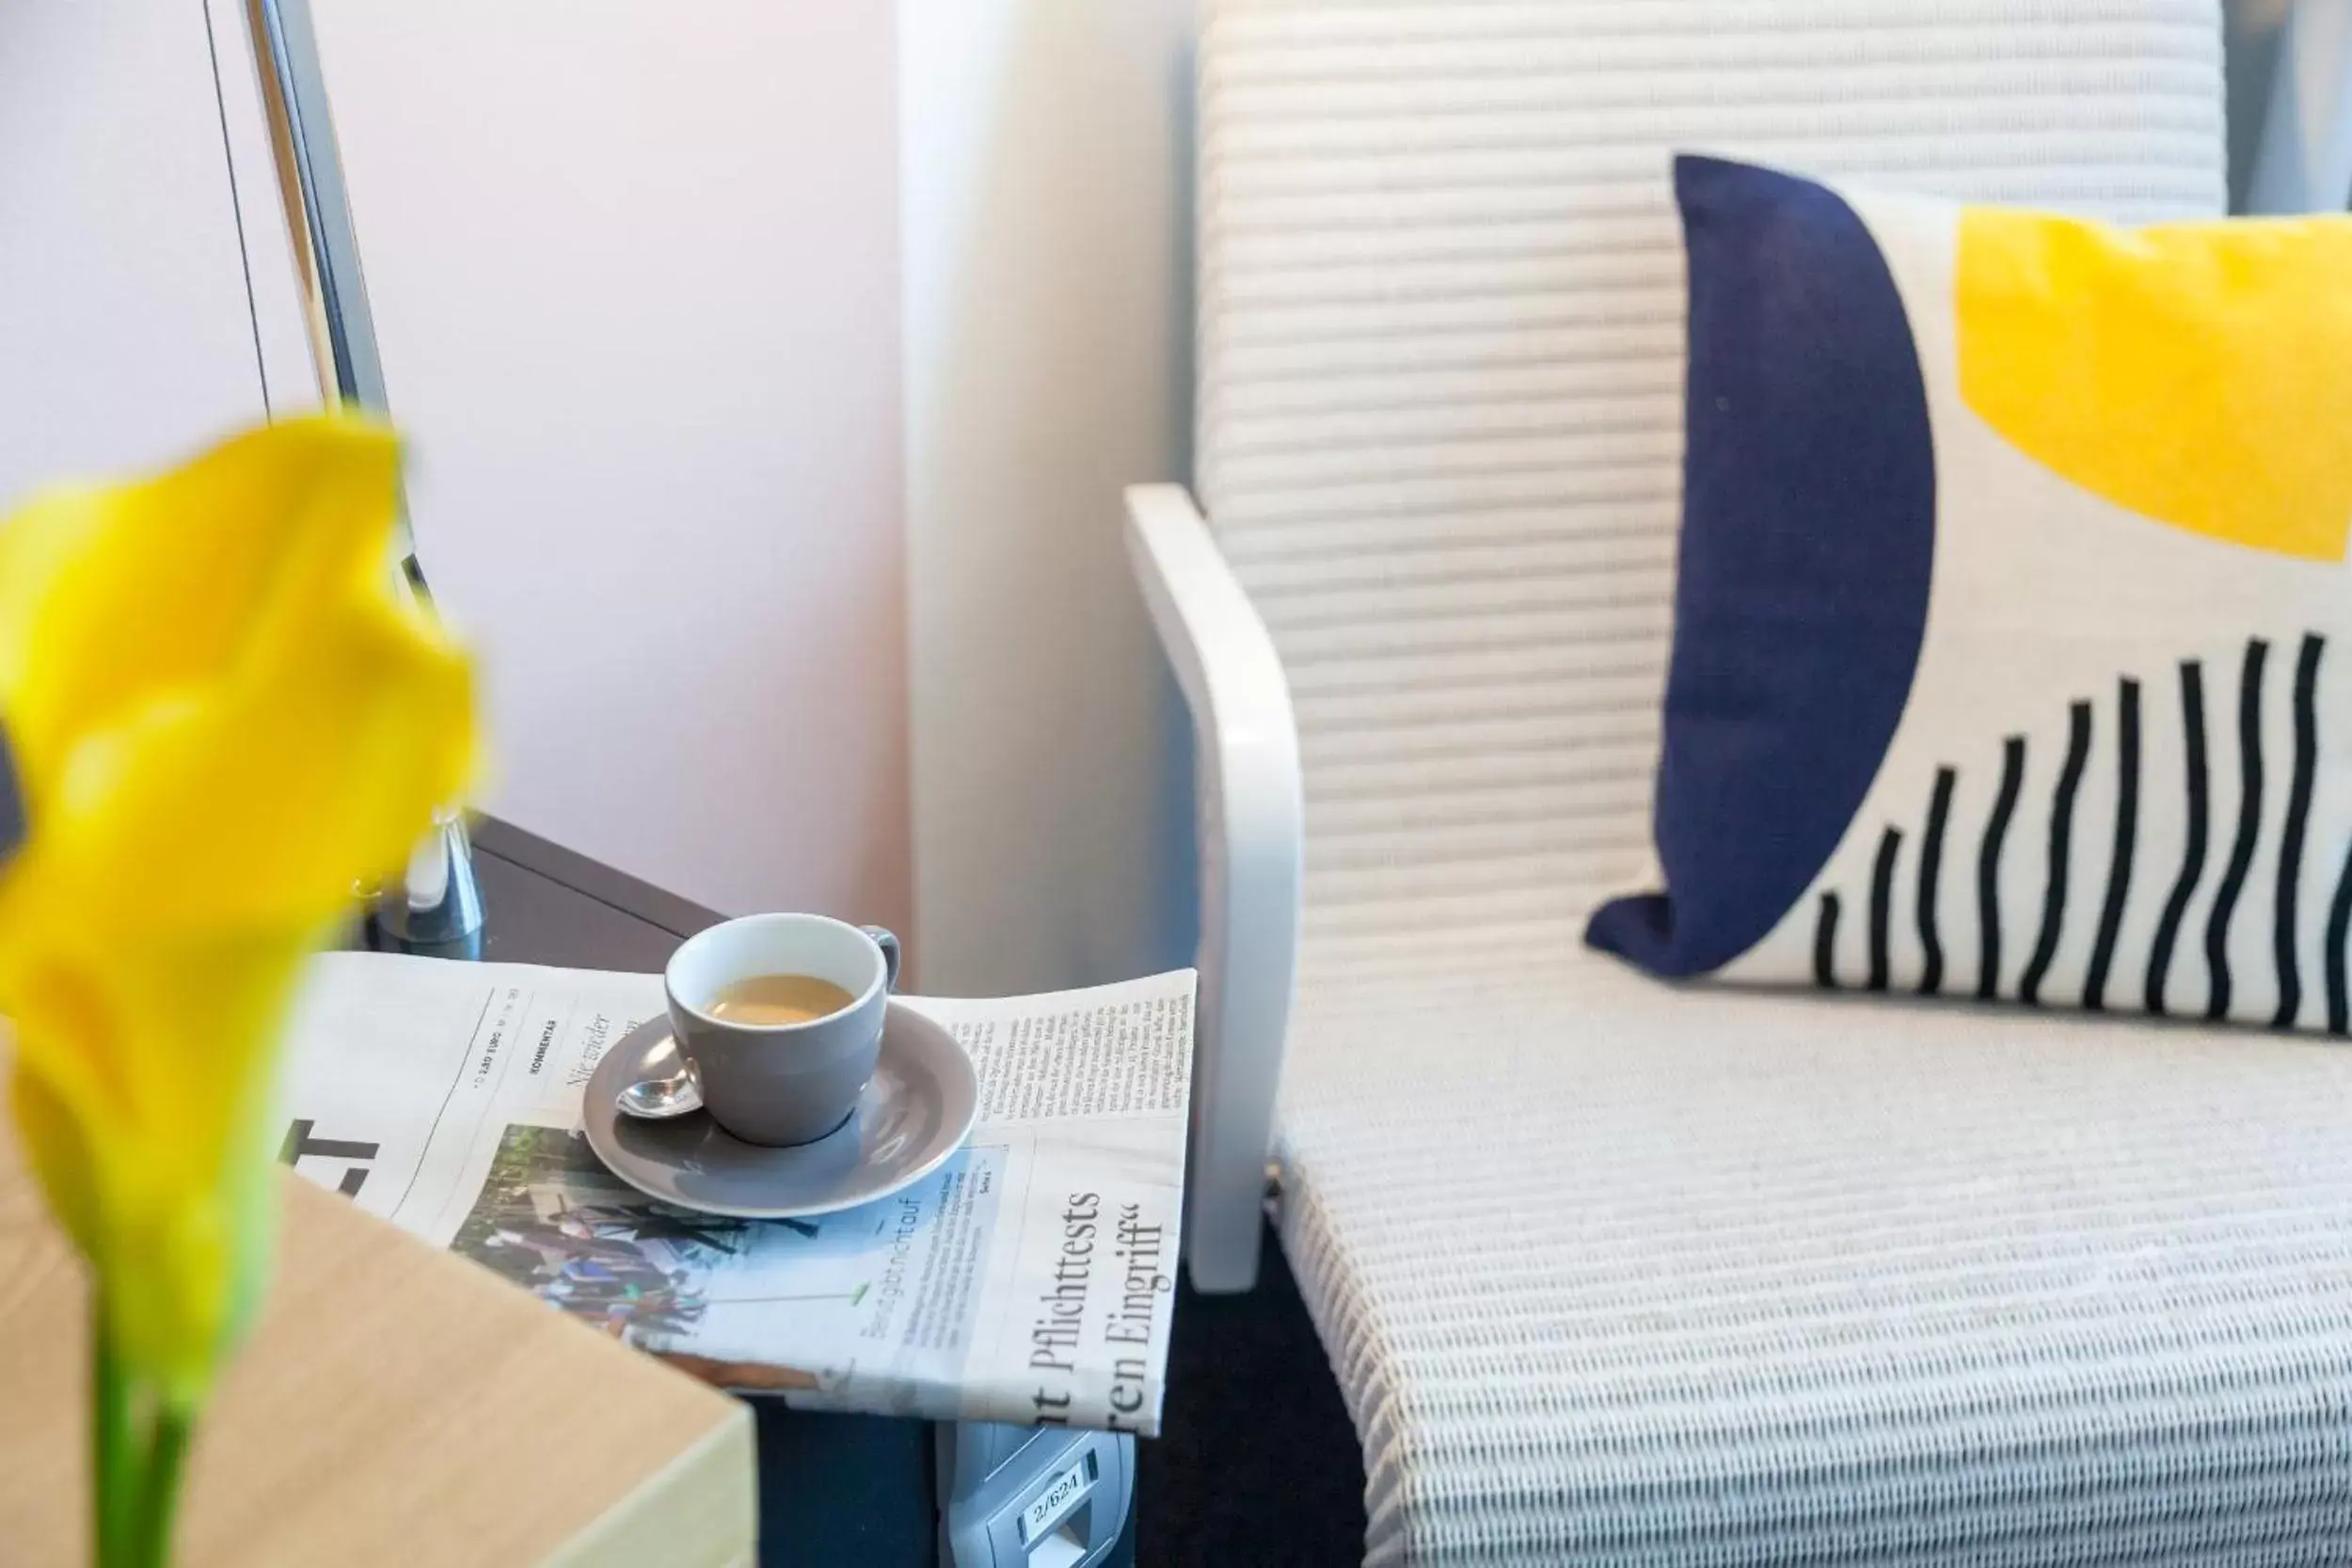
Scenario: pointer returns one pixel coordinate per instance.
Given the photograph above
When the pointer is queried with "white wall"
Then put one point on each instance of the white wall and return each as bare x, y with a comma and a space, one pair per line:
637, 274
634, 270
125, 338
2302, 54
1044, 153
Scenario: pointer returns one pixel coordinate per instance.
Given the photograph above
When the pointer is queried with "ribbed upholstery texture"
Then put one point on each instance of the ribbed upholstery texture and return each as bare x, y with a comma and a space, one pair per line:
1612, 1272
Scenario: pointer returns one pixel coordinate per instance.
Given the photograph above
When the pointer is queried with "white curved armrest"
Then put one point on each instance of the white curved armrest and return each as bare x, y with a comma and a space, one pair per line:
1251, 833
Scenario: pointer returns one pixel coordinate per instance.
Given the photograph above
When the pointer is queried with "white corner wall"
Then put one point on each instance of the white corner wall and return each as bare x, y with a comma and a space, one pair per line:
644, 307
1045, 149
2303, 163
634, 270
124, 338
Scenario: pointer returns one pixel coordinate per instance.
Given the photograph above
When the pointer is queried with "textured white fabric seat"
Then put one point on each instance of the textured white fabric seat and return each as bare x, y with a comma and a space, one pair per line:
1615, 1273
1612, 1272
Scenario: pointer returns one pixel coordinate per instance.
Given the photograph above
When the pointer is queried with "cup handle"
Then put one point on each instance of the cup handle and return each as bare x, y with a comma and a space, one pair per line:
889, 945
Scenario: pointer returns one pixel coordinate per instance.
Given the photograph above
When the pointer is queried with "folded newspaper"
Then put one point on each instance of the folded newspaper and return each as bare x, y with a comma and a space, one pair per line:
1029, 1279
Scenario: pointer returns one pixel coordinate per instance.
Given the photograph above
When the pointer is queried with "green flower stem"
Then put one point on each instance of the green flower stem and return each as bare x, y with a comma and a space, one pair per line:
140, 1449
114, 1454
159, 1497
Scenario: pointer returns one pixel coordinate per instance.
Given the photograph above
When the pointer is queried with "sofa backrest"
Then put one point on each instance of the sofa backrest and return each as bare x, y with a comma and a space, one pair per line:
1441, 363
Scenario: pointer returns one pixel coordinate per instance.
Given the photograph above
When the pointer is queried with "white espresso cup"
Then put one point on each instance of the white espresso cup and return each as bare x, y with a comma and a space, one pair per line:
781, 1083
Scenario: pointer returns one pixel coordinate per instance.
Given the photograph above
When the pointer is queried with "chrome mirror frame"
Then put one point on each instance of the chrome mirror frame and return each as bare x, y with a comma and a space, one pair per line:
438, 909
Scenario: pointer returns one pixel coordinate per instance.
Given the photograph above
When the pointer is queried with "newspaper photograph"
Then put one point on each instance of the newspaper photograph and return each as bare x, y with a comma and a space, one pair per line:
1031, 1278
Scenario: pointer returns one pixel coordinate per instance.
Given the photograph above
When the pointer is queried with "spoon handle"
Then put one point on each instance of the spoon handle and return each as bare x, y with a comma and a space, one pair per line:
660, 1099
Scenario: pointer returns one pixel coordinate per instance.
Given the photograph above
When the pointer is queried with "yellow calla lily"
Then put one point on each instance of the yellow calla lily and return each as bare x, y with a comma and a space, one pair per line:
220, 711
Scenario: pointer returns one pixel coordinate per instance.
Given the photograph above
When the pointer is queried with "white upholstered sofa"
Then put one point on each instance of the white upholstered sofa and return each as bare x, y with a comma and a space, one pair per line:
1612, 1272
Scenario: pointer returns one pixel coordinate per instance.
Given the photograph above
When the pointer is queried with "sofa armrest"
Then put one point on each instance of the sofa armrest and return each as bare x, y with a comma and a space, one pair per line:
1251, 821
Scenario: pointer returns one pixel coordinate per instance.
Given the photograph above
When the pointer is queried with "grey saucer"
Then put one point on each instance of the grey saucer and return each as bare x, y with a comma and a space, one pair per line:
910, 1119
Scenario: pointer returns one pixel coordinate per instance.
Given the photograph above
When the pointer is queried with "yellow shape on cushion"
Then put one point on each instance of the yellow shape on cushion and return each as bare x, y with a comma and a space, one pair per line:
2198, 373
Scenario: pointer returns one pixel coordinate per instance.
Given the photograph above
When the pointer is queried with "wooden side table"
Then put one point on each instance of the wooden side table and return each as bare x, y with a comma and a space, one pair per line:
396, 1405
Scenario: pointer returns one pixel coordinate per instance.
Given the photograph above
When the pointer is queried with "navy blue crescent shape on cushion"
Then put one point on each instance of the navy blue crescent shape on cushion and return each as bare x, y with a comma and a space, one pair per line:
1809, 538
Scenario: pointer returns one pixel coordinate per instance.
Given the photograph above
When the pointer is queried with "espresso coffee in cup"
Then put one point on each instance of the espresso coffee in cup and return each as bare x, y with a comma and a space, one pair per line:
779, 999
780, 1020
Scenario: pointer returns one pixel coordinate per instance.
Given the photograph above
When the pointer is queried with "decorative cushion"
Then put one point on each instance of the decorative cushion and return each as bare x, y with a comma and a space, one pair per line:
2012, 651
